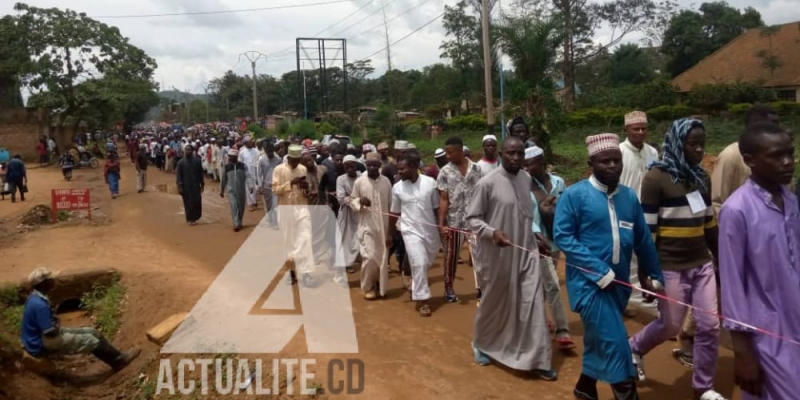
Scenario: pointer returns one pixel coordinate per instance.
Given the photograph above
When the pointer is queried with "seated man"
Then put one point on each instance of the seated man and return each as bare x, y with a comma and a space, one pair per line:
42, 334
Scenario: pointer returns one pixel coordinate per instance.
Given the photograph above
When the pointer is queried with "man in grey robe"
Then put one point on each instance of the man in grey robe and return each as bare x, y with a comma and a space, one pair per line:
236, 181
266, 164
511, 324
347, 220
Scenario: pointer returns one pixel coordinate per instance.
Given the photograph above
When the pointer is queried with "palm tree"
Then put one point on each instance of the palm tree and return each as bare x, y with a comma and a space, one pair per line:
532, 44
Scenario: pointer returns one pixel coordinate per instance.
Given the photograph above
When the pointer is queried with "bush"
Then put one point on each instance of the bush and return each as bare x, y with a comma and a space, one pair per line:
325, 128
713, 98
470, 122
647, 95
739, 110
412, 130
655, 93
597, 117
283, 128
668, 113
419, 122
257, 130
786, 108
304, 128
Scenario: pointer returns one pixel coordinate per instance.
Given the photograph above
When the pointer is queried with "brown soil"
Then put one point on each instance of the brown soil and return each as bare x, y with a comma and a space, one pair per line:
167, 265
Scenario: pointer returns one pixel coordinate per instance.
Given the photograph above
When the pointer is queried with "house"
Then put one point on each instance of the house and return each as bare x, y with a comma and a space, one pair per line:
746, 59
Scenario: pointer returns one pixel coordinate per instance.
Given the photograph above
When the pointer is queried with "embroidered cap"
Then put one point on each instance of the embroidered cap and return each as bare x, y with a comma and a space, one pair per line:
602, 142
295, 151
349, 158
489, 137
635, 117
438, 153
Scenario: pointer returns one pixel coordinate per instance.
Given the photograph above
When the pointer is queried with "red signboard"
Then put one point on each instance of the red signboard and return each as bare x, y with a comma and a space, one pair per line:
70, 199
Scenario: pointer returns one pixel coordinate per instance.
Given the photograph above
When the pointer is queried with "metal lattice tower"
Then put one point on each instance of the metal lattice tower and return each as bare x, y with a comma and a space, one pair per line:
322, 54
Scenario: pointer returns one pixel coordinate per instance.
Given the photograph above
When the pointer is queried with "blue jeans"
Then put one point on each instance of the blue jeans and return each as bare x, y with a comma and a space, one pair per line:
113, 183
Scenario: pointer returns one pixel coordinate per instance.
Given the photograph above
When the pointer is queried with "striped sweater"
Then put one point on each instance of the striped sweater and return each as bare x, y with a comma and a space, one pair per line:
678, 233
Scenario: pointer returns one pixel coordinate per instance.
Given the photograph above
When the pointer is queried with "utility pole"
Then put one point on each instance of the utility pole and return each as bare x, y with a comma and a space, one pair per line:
388, 57
205, 89
254, 56
487, 64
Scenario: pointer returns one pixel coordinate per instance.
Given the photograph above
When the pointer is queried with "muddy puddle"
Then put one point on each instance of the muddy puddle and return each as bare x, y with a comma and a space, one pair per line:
167, 188
173, 189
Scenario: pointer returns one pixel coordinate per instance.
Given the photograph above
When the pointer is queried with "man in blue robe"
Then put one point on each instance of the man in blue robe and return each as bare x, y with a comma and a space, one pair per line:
598, 224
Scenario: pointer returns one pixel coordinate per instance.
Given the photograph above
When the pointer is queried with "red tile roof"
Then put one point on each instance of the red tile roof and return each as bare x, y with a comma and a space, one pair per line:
739, 61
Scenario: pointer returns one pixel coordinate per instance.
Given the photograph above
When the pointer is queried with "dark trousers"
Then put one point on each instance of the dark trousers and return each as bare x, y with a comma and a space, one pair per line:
13, 187
586, 389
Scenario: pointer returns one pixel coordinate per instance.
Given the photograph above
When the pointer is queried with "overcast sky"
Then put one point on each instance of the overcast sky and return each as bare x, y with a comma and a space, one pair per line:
192, 49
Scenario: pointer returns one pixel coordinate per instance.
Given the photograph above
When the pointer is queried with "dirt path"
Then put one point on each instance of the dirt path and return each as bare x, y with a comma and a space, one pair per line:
167, 265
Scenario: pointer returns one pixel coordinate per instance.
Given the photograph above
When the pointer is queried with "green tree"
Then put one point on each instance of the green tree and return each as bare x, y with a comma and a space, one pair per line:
532, 46
463, 49
578, 21
693, 35
13, 60
629, 65
656, 28
769, 60
67, 48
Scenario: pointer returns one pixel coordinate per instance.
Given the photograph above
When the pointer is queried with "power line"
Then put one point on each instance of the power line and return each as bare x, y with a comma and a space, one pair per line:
404, 37
329, 26
282, 57
390, 20
363, 19
222, 11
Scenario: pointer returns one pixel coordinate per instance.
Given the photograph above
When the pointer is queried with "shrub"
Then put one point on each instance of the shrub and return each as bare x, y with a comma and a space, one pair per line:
412, 130
470, 122
738, 110
283, 128
786, 108
419, 122
668, 113
257, 130
304, 128
607, 117
713, 98
325, 128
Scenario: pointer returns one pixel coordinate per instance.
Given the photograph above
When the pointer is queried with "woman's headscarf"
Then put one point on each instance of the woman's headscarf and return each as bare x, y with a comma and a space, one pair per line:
674, 160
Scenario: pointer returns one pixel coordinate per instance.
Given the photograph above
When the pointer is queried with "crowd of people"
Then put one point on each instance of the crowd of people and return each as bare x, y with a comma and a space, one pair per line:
648, 231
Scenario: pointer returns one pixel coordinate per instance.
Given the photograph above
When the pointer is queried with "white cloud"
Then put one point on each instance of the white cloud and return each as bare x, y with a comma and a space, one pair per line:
192, 49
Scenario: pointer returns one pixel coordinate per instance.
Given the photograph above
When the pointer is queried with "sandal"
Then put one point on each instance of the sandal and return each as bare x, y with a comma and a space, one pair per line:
565, 343
424, 310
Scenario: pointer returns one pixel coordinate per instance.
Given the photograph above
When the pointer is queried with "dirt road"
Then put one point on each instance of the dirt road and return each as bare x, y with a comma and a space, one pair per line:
167, 265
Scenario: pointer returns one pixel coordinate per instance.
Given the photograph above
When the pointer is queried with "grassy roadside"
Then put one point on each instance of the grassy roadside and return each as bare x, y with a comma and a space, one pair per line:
570, 152
104, 304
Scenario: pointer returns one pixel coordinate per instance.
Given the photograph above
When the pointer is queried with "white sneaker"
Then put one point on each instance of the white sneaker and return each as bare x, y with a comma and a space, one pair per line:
341, 281
638, 363
711, 394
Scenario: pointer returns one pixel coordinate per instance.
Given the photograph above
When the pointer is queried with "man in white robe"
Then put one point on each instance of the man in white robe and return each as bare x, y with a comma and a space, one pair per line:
637, 156
371, 197
290, 185
415, 201
346, 221
249, 157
